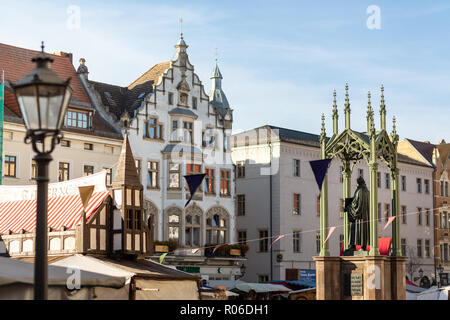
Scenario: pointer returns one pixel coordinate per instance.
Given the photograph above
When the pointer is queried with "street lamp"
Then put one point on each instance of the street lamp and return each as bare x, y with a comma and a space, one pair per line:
43, 98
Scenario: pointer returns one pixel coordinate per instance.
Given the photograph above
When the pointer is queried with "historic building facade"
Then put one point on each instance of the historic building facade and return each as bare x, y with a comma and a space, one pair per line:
436, 155
89, 145
175, 128
287, 203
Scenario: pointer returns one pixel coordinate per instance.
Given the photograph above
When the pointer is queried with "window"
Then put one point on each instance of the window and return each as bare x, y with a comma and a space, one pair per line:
403, 183
387, 211
137, 163
419, 185
262, 278
192, 229
174, 131
133, 219
241, 204
296, 241
442, 188
341, 174
379, 179
216, 229
174, 227
63, 171
387, 180
153, 174
174, 176
188, 137
225, 183
208, 138
65, 143
445, 249
77, 119
108, 176
242, 236
427, 186
361, 173
296, 168
341, 208
209, 181
404, 214
446, 188
419, 216
87, 170
427, 248
296, 206
263, 240
183, 99
318, 242
152, 129
419, 248
88, 146
427, 217
193, 169
240, 169
33, 169
10, 166
170, 98
194, 103
403, 246
444, 220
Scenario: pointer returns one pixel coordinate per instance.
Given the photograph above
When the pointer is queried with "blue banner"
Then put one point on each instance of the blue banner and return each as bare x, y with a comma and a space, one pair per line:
320, 168
193, 181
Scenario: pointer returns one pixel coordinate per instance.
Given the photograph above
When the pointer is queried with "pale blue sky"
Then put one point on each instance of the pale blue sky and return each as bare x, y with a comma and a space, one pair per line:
280, 60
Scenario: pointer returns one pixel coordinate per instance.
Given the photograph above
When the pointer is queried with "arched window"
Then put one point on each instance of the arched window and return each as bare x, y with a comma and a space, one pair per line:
217, 225
174, 223
192, 226
151, 216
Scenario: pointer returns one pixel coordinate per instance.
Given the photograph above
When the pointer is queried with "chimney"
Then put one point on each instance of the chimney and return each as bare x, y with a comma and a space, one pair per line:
65, 54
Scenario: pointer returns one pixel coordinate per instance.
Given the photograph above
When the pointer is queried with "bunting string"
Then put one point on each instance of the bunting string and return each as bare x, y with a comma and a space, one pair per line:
281, 236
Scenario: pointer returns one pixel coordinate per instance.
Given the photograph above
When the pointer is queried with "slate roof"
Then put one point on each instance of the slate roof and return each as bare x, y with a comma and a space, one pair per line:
304, 138
424, 148
182, 111
17, 63
127, 99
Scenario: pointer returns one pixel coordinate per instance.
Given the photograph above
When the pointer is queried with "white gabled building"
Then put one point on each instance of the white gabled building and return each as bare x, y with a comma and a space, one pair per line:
287, 203
176, 129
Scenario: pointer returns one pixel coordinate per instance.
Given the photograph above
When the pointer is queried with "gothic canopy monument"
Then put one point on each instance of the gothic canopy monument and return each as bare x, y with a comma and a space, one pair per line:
352, 276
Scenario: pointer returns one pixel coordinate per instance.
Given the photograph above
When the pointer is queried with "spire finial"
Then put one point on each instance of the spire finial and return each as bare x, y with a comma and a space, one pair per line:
181, 27
335, 114
347, 108
216, 53
394, 131
42, 46
322, 134
382, 110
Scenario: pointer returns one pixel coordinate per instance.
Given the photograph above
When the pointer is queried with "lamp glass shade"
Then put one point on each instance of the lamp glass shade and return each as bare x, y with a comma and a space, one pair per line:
43, 106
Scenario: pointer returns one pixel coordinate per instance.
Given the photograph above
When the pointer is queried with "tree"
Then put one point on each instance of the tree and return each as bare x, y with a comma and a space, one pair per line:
413, 262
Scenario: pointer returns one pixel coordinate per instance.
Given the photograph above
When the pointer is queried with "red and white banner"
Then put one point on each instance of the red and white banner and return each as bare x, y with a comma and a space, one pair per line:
329, 233
389, 222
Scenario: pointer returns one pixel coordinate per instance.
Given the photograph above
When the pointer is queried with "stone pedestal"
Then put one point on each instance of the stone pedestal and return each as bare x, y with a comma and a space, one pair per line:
360, 278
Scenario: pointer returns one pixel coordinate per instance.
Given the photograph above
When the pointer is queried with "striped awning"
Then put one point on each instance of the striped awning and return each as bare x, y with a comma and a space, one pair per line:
63, 211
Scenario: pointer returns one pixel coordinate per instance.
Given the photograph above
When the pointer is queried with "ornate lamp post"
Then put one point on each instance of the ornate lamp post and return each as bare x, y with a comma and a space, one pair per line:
43, 98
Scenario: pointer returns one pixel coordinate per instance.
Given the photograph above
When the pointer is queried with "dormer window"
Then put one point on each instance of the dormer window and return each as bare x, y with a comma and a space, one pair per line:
183, 99
170, 98
152, 129
77, 119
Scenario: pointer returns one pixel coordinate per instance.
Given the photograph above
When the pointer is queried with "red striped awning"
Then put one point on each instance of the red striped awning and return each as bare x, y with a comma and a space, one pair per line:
62, 211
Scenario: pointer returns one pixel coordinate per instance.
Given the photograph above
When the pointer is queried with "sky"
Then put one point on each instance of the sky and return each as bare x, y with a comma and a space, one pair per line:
281, 60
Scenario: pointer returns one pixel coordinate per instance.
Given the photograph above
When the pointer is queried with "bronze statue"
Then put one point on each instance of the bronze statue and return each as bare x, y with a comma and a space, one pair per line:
357, 209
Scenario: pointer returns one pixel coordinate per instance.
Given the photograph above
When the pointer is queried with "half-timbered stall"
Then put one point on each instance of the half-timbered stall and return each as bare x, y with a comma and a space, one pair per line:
85, 218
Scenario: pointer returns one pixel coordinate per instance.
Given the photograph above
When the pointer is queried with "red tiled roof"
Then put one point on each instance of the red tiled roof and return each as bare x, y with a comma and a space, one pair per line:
16, 62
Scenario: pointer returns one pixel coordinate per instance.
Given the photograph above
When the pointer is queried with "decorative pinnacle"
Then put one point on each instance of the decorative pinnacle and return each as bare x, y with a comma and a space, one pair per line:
382, 105
394, 128
323, 126
334, 104
347, 100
